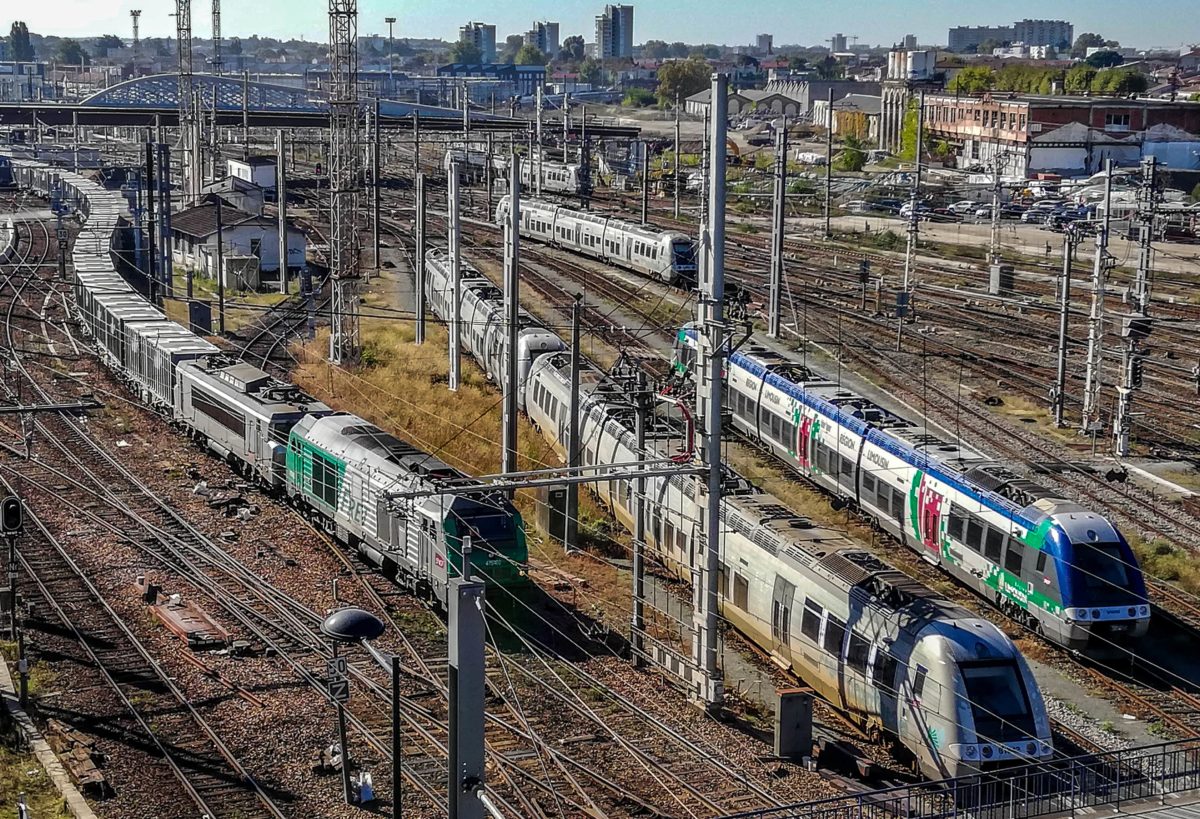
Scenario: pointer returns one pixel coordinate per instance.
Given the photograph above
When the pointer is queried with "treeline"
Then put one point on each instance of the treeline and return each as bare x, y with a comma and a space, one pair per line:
1029, 79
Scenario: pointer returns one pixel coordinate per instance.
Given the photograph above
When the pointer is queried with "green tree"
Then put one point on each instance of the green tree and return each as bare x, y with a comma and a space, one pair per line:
908, 133
797, 63
108, 42
655, 49
234, 46
1079, 79
1090, 40
1195, 195
853, 157
681, 78
638, 98
973, 79
678, 50
1105, 59
466, 53
19, 46
1119, 82
71, 52
531, 55
572, 48
513, 44
591, 71
988, 46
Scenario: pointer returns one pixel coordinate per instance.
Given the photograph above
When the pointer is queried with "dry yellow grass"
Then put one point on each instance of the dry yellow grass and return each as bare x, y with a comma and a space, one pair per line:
242, 307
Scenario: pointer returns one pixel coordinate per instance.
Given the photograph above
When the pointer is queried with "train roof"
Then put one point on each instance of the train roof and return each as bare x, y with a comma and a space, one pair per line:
247, 382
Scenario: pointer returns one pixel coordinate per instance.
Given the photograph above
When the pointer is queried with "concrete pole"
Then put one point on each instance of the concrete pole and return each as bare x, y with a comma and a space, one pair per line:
220, 270
994, 252
466, 698
397, 746
152, 272
914, 223
645, 180
416, 143
539, 140
453, 222
711, 309
1064, 312
781, 148
164, 223
375, 189
571, 534
1090, 419
638, 623
512, 309
281, 201
829, 165
246, 114
343, 743
419, 261
676, 163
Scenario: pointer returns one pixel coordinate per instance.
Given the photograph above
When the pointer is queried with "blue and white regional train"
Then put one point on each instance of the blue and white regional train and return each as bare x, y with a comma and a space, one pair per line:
1064, 570
557, 177
903, 662
666, 256
337, 467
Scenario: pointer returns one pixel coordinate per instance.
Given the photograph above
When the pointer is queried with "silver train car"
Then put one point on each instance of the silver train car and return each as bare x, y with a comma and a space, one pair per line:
483, 325
557, 177
665, 256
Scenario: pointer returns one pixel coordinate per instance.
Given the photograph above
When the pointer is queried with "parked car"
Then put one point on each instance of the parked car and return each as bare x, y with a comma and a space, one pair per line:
887, 205
962, 208
942, 215
858, 206
907, 208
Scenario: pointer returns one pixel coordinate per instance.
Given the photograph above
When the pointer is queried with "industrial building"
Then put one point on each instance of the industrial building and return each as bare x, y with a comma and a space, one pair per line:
249, 244
483, 37
614, 32
1072, 136
1054, 33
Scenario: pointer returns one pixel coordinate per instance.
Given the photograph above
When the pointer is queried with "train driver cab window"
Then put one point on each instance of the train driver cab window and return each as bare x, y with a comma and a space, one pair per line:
1014, 556
883, 670
957, 524
993, 545
741, 591
918, 686
857, 653
1041, 562
810, 624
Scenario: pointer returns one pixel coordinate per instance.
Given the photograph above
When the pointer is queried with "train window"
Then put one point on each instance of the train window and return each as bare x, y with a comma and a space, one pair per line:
1041, 562
810, 624
993, 545
897, 504
975, 535
847, 467
781, 620
857, 653
957, 524
723, 580
835, 635
868, 485
884, 670
1015, 556
741, 591
918, 685
668, 533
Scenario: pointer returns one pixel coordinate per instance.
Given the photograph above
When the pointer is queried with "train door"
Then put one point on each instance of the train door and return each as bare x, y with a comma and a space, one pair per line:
782, 599
804, 441
929, 516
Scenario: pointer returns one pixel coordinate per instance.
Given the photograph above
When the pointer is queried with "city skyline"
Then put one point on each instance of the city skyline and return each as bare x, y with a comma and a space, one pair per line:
669, 20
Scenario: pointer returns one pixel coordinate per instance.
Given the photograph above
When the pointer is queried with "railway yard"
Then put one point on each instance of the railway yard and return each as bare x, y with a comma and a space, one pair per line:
961, 590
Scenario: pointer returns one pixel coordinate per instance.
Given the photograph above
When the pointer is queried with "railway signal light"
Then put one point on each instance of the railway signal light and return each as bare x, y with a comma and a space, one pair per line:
11, 515
864, 271
1136, 370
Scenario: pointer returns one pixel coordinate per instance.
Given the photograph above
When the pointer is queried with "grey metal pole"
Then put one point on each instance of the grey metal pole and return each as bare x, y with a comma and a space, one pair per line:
638, 624
539, 140
774, 308
1146, 208
344, 744
416, 142
994, 254
676, 163
220, 271
246, 114
487, 172
281, 202
571, 533
711, 308
152, 264
1091, 389
397, 744
829, 165
419, 261
452, 219
512, 308
914, 222
164, 223
645, 180
375, 189
466, 699
1064, 310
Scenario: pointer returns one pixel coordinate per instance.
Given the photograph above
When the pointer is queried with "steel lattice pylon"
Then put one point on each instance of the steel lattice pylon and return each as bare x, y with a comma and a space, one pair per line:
183, 33
344, 143
216, 36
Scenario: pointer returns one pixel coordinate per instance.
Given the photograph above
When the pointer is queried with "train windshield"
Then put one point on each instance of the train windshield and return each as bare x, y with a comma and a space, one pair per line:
1100, 574
489, 532
684, 253
998, 701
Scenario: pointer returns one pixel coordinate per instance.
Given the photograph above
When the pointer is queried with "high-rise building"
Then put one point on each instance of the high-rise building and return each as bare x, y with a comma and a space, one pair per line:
483, 37
910, 42
614, 32
544, 35
838, 43
764, 43
1055, 33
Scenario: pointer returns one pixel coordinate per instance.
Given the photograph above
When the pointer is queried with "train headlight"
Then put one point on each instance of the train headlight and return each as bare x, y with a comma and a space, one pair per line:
1132, 611
1031, 748
1081, 614
970, 752
1143, 611
1095, 614
987, 751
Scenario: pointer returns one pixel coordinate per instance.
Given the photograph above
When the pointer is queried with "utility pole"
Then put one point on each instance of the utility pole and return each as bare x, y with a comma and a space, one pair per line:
165, 268
220, 271
777, 272
183, 35
994, 251
281, 202
466, 696
676, 163
1090, 419
512, 312
419, 261
246, 107
216, 38
829, 166
711, 325
1058, 393
391, 21
416, 142
452, 240
375, 188
538, 128
1138, 325
571, 538
152, 262
638, 625
904, 299
344, 141
645, 180
135, 15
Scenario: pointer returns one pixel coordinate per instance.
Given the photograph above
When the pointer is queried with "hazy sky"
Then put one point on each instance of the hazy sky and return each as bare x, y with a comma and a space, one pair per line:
1167, 23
